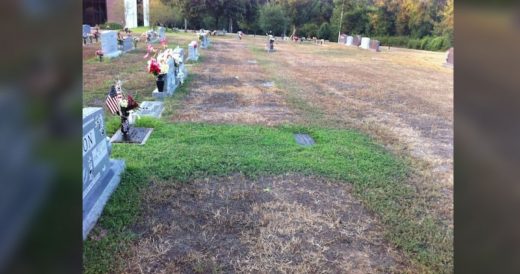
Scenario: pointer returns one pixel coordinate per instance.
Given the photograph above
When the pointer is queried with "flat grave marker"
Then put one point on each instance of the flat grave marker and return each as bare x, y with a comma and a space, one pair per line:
304, 140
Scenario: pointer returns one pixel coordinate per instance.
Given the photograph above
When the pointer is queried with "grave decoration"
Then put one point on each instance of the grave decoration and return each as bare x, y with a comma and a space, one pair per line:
99, 53
101, 175
193, 51
136, 40
121, 104
124, 106
163, 66
109, 44
151, 36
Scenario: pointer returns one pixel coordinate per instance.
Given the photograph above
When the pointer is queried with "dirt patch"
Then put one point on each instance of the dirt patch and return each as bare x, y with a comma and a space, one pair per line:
231, 89
286, 223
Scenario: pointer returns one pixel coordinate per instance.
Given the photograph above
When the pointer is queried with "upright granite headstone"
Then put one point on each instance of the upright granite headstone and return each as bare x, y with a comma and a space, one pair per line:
450, 57
356, 40
342, 39
193, 51
161, 31
101, 175
86, 30
128, 44
170, 82
205, 40
365, 43
374, 45
109, 44
180, 52
349, 40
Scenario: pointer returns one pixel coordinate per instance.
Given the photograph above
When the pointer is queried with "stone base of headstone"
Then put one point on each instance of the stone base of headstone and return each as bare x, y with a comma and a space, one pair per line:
161, 95
114, 54
94, 200
137, 135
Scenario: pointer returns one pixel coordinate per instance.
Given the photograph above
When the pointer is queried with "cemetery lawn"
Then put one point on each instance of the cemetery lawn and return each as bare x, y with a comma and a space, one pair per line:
177, 154
373, 194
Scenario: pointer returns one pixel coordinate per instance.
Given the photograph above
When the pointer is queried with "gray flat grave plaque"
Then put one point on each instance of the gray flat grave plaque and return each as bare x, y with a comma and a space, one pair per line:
101, 175
151, 109
251, 61
303, 139
268, 84
137, 135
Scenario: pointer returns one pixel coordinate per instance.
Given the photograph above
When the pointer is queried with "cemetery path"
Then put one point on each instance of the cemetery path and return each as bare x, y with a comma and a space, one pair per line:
230, 87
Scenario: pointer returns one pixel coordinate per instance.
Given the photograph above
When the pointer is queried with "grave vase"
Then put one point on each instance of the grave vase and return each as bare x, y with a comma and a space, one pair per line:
160, 82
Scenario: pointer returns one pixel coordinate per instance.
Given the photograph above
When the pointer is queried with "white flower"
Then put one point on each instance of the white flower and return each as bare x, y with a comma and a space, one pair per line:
123, 103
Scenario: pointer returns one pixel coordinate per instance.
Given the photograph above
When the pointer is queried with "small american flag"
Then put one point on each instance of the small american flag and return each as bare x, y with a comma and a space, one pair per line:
112, 101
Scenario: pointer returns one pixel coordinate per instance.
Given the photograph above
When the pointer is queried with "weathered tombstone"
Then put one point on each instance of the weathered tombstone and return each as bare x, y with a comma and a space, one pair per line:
128, 44
349, 40
170, 82
365, 43
450, 57
101, 175
356, 40
342, 39
180, 52
161, 33
193, 51
109, 44
374, 45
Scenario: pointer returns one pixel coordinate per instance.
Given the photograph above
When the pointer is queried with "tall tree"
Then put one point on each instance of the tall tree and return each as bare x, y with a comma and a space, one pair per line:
272, 18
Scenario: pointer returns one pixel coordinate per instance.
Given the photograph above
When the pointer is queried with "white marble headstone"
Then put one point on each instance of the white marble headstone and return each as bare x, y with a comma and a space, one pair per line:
365, 43
349, 40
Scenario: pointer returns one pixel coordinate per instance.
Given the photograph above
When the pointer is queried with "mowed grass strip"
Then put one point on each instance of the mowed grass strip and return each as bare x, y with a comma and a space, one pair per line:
187, 151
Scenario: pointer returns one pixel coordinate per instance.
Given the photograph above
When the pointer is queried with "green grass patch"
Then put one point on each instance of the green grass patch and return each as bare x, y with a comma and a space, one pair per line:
186, 151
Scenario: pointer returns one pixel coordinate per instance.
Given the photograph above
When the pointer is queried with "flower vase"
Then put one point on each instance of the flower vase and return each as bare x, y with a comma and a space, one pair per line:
160, 82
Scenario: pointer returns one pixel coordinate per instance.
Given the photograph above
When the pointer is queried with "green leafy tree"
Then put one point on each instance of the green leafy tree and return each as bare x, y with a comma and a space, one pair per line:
324, 31
272, 18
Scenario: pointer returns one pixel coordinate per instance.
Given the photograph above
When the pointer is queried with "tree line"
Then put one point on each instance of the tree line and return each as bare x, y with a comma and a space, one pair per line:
414, 19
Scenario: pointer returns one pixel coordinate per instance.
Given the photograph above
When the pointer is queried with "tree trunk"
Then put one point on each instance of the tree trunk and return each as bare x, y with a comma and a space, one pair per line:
230, 25
185, 24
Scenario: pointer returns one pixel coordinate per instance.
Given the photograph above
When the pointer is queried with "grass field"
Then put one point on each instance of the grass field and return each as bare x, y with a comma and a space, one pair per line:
221, 186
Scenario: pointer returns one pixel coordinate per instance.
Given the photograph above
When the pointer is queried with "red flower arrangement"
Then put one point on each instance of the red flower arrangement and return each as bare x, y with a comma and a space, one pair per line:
99, 53
153, 67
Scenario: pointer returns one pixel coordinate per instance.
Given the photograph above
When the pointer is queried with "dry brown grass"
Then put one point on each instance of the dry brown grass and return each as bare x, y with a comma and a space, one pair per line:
282, 224
230, 87
403, 98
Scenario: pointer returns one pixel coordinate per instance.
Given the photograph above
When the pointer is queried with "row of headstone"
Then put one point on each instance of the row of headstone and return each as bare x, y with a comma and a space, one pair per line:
362, 42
